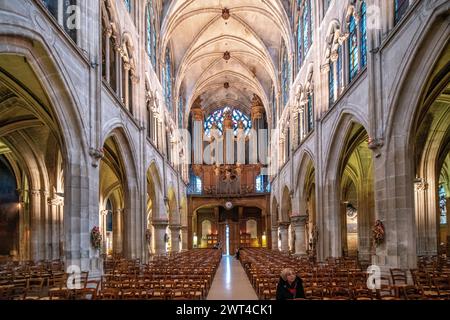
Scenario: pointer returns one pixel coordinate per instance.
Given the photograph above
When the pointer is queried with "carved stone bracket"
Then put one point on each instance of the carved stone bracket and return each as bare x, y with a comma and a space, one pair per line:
97, 155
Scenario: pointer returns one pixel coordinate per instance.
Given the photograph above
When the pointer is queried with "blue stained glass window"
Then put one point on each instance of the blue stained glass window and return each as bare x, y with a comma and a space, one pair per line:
195, 184
310, 113
339, 81
306, 21
128, 5
363, 31
168, 81
331, 84
353, 48
262, 184
151, 33
217, 117
299, 46
259, 184
443, 204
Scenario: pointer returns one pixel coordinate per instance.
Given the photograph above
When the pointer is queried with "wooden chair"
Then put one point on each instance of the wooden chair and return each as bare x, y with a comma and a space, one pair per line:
34, 289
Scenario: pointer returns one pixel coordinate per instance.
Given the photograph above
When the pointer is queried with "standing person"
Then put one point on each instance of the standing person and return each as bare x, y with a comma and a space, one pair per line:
290, 286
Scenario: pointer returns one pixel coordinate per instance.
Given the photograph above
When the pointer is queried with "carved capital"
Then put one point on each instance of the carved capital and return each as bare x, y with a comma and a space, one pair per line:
421, 185
325, 68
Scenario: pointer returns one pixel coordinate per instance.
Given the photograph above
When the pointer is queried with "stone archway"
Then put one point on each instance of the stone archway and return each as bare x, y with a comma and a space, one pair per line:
305, 222
431, 144
357, 212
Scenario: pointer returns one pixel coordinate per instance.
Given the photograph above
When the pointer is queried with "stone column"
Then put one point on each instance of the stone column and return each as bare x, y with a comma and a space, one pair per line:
175, 236
197, 118
184, 238
275, 237
46, 226
103, 214
159, 235
299, 223
447, 239
425, 220
35, 210
118, 231
55, 203
126, 79
284, 236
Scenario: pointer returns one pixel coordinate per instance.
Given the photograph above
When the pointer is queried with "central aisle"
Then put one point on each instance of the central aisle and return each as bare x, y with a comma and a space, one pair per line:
231, 282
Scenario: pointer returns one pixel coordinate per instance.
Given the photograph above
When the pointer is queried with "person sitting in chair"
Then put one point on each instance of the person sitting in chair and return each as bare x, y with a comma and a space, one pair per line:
290, 286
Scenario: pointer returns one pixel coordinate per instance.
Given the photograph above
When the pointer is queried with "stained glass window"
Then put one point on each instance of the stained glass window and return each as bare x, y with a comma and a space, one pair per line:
262, 184
217, 117
331, 84
299, 46
340, 80
400, 8
259, 184
128, 5
64, 12
363, 32
180, 112
443, 204
310, 113
168, 81
151, 33
195, 184
304, 31
353, 48
306, 22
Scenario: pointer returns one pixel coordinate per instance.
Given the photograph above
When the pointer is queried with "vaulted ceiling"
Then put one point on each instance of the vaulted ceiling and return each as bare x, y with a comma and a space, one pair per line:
199, 34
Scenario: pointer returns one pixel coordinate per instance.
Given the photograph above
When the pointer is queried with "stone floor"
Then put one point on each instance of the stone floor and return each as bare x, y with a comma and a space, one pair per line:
231, 282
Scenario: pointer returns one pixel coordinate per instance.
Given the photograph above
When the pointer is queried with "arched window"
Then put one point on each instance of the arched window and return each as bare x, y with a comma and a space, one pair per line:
331, 84
304, 30
353, 48
299, 46
285, 76
195, 184
151, 33
363, 32
443, 204
335, 78
67, 13
306, 25
167, 80
339, 73
110, 47
217, 118
310, 112
400, 8
128, 72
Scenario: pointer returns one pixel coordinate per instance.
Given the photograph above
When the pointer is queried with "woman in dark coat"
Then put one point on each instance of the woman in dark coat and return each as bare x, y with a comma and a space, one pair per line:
290, 286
